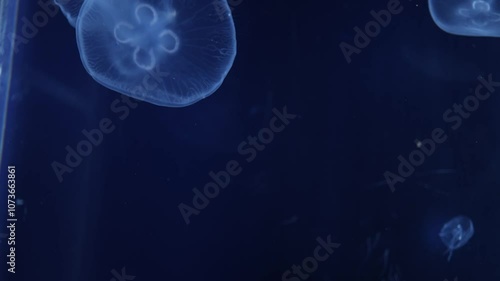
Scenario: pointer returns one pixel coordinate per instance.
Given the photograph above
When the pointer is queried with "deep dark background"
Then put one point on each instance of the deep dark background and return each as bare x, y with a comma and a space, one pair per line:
120, 207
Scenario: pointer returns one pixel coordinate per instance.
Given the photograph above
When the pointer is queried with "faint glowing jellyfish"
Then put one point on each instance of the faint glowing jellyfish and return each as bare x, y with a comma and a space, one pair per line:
166, 52
70, 9
466, 17
456, 233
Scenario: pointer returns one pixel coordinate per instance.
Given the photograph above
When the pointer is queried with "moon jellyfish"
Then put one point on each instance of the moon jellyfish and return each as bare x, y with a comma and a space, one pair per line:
467, 17
456, 233
70, 9
166, 52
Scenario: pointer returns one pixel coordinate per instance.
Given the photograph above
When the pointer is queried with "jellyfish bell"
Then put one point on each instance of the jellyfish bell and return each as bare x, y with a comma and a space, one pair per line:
456, 233
166, 52
467, 17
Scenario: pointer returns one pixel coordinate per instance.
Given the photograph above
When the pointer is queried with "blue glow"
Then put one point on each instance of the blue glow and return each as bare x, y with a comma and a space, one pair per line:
456, 233
467, 17
166, 52
70, 9
8, 20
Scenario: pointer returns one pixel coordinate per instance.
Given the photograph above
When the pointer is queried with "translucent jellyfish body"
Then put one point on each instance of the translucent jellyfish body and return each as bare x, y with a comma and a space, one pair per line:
467, 17
456, 233
166, 52
70, 9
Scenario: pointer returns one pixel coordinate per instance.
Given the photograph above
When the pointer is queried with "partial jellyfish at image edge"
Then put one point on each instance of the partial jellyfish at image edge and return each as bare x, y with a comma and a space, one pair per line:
166, 52
467, 17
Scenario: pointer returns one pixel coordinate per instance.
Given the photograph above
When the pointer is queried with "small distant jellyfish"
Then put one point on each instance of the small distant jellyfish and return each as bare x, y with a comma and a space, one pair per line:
456, 233
19, 201
70, 9
165, 52
467, 17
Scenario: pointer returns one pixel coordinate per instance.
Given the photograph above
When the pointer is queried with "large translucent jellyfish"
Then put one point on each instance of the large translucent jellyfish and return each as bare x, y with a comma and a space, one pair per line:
70, 9
166, 52
467, 17
456, 233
